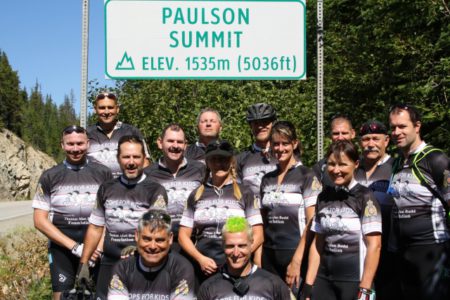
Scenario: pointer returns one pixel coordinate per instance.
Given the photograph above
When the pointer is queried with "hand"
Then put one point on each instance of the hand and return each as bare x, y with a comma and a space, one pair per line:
366, 294
207, 265
83, 275
77, 250
306, 292
127, 251
98, 253
293, 274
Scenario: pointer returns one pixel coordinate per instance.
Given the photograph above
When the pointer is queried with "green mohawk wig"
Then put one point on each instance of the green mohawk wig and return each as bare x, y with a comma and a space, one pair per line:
236, 224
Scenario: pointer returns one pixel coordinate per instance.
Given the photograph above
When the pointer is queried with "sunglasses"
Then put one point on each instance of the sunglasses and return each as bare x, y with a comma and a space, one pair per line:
399, 106
372, 128
223, 145
73, 128
156, 215
106, 95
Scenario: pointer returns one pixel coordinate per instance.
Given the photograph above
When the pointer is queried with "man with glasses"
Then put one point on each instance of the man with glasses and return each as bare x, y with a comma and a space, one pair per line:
120, 204
421, 192
178, 175
239, 278
105, 134
63, 203
341, 129
209, 126
374, 171
153, 272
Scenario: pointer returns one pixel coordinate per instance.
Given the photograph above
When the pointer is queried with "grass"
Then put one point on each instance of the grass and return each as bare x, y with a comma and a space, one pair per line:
24, 269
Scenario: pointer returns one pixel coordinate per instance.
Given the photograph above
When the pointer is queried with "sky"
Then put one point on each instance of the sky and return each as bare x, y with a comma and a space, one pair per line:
42, 40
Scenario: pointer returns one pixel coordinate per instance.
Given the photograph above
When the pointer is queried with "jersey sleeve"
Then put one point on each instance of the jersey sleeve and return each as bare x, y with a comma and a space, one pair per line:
311, 188
440, 173
315, 225
187, 219
183, 281
371, 214
98, 213
252, 211
42, 197
204, 292
117, 288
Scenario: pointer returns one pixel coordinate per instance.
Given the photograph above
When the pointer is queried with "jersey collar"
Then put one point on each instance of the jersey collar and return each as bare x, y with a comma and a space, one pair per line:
75, 167
163, 165
117, 126
151, 269
256, 148
133, 181
200, 145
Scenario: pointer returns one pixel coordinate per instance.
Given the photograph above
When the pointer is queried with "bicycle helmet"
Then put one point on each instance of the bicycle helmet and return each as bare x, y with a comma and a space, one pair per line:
260, 111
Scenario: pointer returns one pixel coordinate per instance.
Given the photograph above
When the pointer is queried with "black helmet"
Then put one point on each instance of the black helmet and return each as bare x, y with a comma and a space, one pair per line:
260, 111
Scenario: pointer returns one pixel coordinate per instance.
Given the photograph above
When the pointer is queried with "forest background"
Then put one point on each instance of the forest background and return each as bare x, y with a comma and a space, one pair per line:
377, 53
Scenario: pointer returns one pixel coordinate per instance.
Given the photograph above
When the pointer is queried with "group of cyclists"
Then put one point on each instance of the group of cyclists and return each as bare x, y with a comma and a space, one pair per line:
206, 222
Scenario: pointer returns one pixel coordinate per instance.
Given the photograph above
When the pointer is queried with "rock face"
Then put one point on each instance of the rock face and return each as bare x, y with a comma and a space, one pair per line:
20, 167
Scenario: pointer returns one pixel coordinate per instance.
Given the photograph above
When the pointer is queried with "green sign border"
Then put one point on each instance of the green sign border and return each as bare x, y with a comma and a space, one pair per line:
301, 77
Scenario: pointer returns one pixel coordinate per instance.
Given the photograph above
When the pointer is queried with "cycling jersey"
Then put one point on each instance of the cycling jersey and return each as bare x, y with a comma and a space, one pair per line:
68, 193
178, 186
418, 216
283, 206
208, 215
196, 152
343, 217
252, 165
262, 286
104, 149
120, 204
131, 279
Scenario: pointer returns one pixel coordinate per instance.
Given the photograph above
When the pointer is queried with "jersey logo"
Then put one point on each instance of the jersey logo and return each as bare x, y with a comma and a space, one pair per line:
160, 202
116, 283
370, 210
182, 288
316, 186
62, 278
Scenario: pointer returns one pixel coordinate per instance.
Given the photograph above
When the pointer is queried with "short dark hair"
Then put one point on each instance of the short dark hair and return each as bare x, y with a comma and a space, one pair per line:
414, 114
134, 139
174, 127
343, 146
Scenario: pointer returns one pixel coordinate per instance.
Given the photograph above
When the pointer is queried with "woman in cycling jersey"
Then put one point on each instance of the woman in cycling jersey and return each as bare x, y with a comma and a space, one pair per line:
344, 255
209, 206
289, 196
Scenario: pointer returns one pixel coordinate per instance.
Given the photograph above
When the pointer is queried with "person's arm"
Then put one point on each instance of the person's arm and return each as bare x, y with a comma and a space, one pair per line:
258, 236
207, 264
293, 269
373, 244
91, 240
43, 224
315, 251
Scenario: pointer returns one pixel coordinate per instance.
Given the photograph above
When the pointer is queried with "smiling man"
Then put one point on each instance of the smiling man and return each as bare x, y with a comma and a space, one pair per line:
240, 278
153, 272
108, 130
178, 175
62, 204
120, 203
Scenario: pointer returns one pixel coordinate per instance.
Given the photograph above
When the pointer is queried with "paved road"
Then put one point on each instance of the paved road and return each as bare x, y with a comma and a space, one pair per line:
15, 214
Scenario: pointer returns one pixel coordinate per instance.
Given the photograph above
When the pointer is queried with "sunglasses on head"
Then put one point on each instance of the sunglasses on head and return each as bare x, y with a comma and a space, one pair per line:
372, 127
399, 106
221, 146
156, 215
73, 128
106, 95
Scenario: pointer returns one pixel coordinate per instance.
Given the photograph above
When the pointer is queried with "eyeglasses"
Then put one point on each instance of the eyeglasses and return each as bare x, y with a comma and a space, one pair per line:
73, 128
156, 215
106, 95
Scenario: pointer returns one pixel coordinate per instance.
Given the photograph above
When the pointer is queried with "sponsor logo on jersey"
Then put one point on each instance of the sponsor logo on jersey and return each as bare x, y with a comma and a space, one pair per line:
116, 283
370, 210
182, 288
62, 278
160, 202
316, 186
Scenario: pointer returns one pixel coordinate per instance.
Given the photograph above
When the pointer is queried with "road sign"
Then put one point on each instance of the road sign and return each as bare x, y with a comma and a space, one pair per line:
201, 39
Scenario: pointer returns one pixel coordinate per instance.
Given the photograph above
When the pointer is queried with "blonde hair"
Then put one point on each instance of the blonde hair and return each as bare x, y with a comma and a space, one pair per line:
236, 190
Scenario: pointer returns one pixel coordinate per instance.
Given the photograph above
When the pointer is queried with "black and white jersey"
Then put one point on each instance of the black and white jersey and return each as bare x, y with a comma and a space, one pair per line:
418, 216
378, 182
103, 149
173, 280
68, 193
207, 216
320, 169
196, 152
344, 217
120, 204
178, 187
284, 205
252, 165
263, 285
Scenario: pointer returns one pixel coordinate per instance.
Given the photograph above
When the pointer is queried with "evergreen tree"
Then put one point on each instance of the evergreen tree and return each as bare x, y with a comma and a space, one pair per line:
10, 102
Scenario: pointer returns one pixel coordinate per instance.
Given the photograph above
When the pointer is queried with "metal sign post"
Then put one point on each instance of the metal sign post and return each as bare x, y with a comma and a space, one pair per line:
319, 79
84, 63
